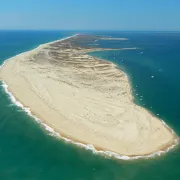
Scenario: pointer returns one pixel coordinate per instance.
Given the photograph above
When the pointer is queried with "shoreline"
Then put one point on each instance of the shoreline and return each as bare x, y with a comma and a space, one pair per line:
38, 47
79, 143
91, 147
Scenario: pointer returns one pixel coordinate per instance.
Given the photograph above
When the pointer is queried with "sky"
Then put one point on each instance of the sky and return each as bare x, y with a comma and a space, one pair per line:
90, 14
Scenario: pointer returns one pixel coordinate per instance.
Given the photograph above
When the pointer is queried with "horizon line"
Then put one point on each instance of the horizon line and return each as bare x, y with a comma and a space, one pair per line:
145, 30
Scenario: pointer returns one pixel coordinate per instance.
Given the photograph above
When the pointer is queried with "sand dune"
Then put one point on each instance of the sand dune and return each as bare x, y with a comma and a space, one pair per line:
84, 98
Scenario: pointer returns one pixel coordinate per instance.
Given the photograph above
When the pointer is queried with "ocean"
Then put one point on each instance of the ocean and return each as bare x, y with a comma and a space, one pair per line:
28, 151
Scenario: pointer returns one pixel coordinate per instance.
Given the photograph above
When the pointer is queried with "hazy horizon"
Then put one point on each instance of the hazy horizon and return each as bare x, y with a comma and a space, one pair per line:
95, 30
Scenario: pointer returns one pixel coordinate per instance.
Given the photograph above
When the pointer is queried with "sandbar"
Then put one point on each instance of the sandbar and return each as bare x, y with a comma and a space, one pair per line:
84, 98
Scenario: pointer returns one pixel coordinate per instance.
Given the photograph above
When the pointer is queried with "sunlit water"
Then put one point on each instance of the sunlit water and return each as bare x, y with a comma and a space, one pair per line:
28, 151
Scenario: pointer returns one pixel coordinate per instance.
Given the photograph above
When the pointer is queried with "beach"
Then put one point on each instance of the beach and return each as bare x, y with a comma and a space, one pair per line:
84, 98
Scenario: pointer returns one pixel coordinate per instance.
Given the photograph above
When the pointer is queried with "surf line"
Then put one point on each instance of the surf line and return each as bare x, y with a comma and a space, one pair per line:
41, 45
89, 146
108, 154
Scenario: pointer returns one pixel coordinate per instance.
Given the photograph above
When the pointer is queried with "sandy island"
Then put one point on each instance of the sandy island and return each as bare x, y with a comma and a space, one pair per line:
84, 98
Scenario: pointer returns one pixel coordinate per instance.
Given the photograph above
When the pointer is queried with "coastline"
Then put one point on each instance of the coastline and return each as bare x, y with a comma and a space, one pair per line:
38, 47
94, 149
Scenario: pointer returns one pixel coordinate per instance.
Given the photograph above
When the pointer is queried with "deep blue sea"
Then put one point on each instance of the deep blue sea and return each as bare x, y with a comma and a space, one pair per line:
28, 151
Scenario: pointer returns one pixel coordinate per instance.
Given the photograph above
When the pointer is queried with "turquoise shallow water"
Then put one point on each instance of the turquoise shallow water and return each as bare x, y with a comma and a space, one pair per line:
28, 151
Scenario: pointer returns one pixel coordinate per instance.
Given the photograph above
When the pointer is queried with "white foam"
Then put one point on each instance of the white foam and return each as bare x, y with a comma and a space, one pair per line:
38, 48
3, 64
89, 146
11, 105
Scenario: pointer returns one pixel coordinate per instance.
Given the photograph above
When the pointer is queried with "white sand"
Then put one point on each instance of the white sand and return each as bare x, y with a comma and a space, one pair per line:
86, 99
